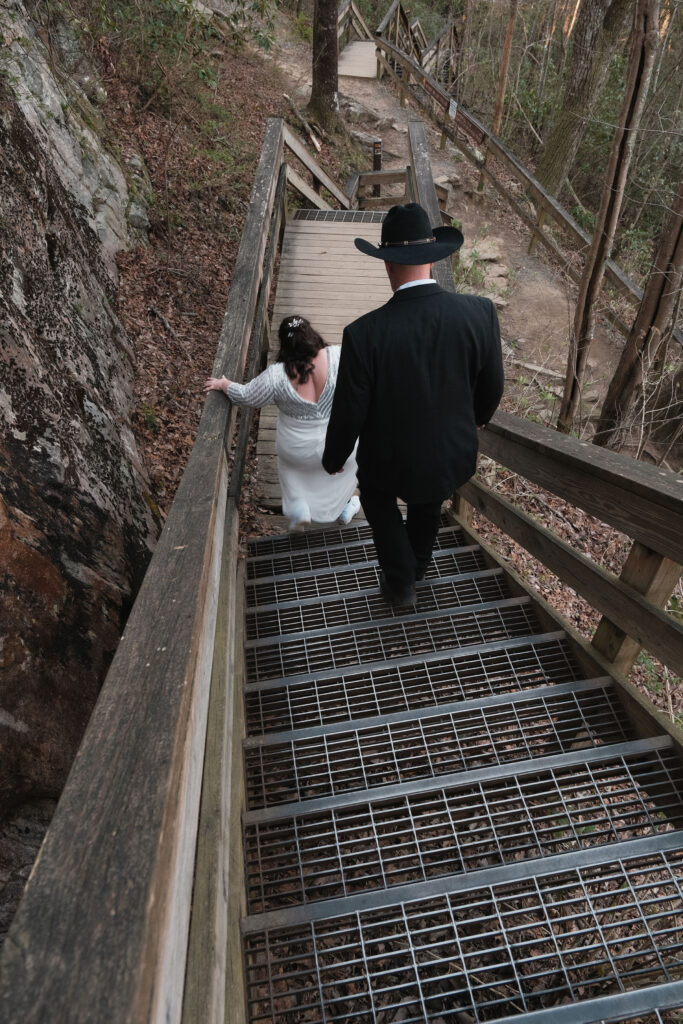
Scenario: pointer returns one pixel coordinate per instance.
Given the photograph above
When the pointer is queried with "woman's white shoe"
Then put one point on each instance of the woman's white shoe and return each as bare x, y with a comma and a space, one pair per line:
350, 508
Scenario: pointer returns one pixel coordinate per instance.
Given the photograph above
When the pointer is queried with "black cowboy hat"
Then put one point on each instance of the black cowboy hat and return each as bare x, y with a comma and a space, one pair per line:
407, 237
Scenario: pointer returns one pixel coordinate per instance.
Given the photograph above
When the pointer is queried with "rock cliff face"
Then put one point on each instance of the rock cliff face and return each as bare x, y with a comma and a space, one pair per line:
76, 529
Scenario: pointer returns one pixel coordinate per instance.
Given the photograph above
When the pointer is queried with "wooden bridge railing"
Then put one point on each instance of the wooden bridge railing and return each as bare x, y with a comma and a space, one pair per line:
644, 502
440, 58
131, 912
350, 22
397, 27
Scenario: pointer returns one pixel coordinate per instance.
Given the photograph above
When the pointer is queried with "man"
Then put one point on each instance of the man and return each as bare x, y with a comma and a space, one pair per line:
416, 378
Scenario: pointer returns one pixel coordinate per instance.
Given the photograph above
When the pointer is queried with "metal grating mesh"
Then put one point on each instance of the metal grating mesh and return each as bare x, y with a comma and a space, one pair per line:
491, 952
366, 577
409, 687
361, 609
430, 746
310, 539
353, 216
390, 640
330, 536
339, 852
331, 557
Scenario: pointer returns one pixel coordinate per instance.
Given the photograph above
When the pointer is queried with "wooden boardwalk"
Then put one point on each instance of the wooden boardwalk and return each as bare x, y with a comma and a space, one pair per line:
358, 60
324, 278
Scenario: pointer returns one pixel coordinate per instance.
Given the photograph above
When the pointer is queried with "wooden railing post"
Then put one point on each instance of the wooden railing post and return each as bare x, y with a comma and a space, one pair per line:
376, 162
651, 575
540, 221
463, 510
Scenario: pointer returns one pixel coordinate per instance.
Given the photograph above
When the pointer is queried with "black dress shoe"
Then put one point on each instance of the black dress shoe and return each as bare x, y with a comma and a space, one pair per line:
396, 598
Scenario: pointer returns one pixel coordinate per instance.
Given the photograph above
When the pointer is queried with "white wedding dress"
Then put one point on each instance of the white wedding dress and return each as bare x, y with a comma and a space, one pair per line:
308, 492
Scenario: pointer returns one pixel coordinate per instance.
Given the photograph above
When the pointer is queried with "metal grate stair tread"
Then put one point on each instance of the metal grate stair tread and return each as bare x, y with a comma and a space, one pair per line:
331, 536
319, 583
462, 828
362, 607
410, 683
388, 639
343, 553
460, 707
388, 753
499, 946
447, 818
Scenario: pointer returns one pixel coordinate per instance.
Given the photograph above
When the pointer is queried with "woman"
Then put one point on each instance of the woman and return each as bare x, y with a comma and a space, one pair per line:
301, 384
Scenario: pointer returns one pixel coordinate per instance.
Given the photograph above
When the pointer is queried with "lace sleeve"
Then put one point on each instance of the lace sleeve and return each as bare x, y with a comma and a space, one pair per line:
255, 393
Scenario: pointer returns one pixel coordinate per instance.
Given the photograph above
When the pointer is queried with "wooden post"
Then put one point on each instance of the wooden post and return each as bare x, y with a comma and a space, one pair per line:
540, 221
463, 509
404, 82
652, 576
376, 162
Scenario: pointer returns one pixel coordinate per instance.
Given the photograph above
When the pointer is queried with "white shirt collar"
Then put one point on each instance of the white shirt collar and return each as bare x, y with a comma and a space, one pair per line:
411, 284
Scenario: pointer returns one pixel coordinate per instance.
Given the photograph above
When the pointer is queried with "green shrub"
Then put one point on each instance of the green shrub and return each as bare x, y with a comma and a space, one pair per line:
304, 27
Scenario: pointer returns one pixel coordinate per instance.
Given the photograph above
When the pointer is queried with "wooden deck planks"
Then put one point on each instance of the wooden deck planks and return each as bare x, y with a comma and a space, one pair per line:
324, 278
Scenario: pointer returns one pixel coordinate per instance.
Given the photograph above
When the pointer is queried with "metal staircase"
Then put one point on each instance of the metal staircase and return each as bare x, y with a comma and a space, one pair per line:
448, 818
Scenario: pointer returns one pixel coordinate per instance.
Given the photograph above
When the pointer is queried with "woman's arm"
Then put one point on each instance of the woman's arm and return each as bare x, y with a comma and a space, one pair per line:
255, 393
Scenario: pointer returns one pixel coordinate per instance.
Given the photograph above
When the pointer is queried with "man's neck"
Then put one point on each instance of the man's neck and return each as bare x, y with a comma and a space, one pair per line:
403, 273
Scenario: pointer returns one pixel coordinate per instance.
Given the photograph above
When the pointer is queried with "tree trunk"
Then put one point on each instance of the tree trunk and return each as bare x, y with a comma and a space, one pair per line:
323, 106
502, 83
546, 35
641, 59
596, 34
649, 327
463, 53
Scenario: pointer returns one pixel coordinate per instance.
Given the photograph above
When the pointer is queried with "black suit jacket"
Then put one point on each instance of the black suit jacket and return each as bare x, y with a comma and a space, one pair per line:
416, 378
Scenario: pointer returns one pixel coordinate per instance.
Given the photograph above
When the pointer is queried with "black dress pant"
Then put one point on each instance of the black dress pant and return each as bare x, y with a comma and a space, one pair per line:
404, 550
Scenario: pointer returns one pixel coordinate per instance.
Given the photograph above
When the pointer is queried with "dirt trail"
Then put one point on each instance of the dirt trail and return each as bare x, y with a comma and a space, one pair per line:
535, 303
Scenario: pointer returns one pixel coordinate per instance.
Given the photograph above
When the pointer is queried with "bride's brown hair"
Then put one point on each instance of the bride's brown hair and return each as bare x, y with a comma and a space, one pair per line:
299, 343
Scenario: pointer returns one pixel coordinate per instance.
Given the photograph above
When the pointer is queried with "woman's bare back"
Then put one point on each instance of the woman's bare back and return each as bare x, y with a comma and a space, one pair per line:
312, 389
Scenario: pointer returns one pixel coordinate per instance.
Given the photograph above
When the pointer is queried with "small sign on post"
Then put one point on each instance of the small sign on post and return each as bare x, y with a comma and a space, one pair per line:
376, 162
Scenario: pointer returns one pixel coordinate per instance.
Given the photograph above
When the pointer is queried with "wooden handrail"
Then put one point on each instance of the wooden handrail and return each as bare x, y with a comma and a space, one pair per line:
626, 608
379, 31
350, 15
426, 194
301, 153
103, 930
644, 502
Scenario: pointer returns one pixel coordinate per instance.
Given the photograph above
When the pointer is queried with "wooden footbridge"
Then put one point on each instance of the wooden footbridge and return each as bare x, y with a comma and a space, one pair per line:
295, 805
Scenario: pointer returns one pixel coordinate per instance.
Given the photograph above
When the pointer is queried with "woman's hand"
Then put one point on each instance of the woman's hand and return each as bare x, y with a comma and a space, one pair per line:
217, 384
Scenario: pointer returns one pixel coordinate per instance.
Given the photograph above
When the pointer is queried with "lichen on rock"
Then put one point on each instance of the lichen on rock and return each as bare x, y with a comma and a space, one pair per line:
76, 530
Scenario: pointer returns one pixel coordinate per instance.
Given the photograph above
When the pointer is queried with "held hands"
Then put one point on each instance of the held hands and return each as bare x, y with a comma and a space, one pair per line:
217, 384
